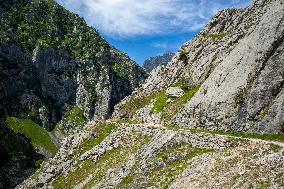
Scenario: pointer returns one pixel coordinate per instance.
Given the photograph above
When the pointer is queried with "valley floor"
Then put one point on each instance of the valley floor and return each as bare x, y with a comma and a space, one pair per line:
116, 155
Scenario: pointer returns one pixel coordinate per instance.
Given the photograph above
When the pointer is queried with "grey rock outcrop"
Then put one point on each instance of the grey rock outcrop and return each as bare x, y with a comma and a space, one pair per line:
236, 63
174, 92
241, 93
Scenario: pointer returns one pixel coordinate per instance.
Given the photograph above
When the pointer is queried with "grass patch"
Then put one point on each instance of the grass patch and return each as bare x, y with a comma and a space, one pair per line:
158, 176
75, 116
74, 177
113, 158
163, 176
127, 180
263, 185
38, 163
235, 178
160, 103
280, 179
174, 107
38, 136
275, 147
102, 132
128, 110
135, 103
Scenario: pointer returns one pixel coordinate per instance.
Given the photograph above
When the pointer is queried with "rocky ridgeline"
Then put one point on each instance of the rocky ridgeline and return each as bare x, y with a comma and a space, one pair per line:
56, 73
111, 155
159, 60
231, 73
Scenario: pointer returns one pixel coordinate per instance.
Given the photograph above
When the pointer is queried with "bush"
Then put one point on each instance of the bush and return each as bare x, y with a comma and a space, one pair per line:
239, 97
183, 56
215, 36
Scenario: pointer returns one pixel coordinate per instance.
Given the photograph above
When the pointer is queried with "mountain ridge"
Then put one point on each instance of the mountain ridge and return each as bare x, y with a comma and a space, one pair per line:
56, 73
156, 61
211, 53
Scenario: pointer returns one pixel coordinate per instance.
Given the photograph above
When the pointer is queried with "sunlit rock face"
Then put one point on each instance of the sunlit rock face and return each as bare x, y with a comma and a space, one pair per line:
236, 63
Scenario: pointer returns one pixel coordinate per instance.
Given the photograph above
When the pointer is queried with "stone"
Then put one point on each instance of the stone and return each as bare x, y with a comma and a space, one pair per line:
174, 92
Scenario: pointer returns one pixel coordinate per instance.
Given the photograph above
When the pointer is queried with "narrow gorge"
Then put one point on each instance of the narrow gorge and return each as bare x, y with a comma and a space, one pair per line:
76, 112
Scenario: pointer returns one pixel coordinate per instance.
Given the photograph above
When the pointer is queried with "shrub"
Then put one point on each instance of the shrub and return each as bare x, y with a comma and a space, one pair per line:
239, 96
263, 112
183, 56
102, 132
215, 36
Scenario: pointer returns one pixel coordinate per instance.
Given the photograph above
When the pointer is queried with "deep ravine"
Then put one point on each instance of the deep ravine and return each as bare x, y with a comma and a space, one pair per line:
212, 117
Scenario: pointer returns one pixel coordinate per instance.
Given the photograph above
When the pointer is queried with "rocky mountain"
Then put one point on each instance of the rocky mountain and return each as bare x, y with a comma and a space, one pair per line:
211, 118
156, 61
56, 74
231, 74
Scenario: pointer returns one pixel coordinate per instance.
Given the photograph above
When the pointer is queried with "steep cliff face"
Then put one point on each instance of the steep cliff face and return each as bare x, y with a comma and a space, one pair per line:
231, 73
51, 59
57, 73
156, 61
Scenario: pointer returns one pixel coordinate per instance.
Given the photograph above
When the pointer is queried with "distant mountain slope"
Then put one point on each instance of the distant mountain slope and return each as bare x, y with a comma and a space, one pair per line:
55, 70
156, 61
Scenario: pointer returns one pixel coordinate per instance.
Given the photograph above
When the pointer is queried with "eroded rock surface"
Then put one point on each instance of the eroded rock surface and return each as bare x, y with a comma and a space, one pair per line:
152, 156
236, 63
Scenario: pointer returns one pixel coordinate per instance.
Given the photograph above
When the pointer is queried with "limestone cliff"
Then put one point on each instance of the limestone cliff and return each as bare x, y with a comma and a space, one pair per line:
56, 73
231, 72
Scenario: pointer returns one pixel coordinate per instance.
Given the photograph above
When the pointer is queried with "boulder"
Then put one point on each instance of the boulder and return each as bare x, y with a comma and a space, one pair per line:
174, 92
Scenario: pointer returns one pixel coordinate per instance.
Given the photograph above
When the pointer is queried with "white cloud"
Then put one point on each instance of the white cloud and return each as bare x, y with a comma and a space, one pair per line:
145, 17
160, 45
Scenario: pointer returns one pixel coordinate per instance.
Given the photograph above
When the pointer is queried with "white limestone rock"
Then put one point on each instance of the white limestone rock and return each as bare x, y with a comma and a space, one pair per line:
174, 92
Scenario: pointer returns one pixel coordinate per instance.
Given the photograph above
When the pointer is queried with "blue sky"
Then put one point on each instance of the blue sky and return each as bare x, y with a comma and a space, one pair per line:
145, 28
